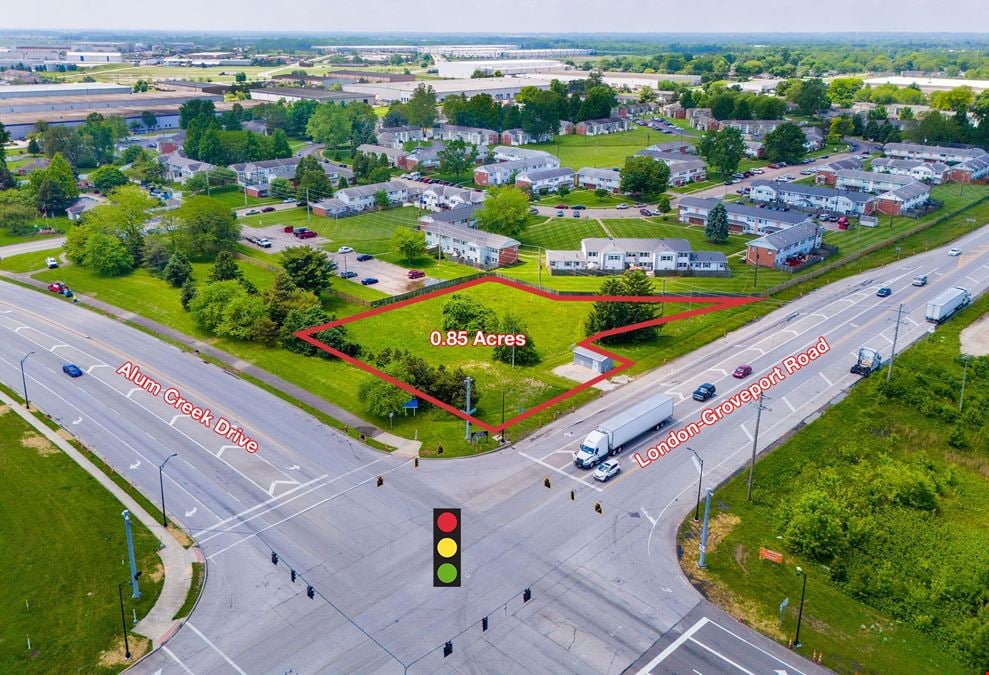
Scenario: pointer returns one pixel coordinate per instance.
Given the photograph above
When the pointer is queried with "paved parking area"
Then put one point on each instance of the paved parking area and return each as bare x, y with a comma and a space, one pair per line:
392, 279
279, 240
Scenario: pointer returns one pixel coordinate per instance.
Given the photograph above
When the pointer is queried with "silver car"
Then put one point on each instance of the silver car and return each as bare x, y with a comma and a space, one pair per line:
606, 470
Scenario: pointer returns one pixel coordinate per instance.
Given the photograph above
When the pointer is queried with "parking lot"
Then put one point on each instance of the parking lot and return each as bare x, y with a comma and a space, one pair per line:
280, 240
392, 279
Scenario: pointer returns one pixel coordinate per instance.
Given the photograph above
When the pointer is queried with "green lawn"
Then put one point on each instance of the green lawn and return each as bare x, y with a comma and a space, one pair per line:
367, 232
232, 196
63, 554
562, 233
27, 262
585, 197
903, 494
59, 224
608, 151
437, 269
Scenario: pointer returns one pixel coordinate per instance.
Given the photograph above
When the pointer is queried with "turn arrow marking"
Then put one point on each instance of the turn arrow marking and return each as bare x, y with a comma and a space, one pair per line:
189, 514
77, 420
135, 464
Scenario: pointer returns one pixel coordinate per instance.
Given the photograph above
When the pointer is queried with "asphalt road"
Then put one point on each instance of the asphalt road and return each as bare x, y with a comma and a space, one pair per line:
606, 589
31, 246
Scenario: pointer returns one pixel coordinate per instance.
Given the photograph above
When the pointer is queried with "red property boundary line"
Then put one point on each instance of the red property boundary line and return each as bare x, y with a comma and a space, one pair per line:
715, 304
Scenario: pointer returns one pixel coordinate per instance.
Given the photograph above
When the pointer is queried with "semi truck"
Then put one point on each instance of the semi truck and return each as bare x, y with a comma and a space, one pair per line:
610, 436
869, 361
942, 307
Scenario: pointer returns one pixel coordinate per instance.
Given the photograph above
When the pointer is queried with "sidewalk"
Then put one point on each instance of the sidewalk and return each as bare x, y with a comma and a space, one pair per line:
177, 560
229, 361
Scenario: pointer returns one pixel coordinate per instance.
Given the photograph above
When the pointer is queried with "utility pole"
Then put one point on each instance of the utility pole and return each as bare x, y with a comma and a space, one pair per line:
161, 483
755, 281
755, 442
135, 591
961, 398
707, 516
27, 403
245, 196
467, 382
700, 478
896, 334
308, 210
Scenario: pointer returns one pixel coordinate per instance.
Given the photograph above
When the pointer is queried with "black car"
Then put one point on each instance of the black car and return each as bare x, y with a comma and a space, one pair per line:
704, 392
364, 257
348, 275
578, 207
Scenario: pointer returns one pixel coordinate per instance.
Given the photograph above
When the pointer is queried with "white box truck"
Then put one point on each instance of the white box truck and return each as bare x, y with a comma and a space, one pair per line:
610, 436
943, 306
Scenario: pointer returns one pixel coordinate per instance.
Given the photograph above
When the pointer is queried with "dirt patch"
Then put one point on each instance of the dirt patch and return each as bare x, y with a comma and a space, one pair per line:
115, 656
39, 443
975, 338
977, 464
156, 574
4, 409
740, 556
65, 434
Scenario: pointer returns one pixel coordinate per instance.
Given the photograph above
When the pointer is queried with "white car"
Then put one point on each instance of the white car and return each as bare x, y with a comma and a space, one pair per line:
622, 206
953, 252
345, 249
288, 200
51, 262
606, 470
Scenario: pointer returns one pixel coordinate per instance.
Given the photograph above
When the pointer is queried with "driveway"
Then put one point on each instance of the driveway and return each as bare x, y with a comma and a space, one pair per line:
281, 206
392, 279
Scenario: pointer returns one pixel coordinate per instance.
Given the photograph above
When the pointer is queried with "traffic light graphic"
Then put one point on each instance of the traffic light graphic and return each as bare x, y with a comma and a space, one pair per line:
446, 547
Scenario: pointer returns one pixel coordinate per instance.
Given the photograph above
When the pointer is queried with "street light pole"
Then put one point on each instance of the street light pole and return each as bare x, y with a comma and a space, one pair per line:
161, 483
896, 334
27, 403
467, 382
800, 613
961, 398
123, 618
700, 478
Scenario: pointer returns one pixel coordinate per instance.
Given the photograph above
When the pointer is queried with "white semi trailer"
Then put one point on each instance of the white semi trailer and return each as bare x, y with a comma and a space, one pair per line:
610, 436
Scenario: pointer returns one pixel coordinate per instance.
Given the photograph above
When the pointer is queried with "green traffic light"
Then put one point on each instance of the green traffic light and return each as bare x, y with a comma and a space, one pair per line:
446, 573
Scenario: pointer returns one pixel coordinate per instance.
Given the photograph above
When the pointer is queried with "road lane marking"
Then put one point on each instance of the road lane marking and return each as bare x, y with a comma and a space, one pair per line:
673, 646
215, 648
757, 647
560, 471
721, 656
788, 404
168, 651
274, 483
825, 378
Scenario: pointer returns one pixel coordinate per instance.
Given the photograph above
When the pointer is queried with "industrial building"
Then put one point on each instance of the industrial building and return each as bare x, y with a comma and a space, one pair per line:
499, 88
293, 94
464, 69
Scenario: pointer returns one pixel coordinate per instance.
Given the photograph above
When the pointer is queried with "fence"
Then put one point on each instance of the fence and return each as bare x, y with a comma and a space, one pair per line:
824, 269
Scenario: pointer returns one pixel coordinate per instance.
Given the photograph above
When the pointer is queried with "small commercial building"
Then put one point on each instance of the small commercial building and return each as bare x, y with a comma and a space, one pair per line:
588, 358
502, 89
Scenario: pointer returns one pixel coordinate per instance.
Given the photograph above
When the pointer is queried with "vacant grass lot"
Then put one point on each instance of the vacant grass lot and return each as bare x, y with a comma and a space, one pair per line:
562, 233
59, 223
232, 196
608, 151
26, 262
909, 475
63, 554
585, 197
367, 232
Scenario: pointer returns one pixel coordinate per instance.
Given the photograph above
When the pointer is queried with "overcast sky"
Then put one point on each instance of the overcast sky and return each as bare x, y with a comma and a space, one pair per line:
504, 16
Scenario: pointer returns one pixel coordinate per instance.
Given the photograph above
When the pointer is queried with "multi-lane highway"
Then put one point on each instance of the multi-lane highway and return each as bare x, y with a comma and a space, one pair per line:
607, 592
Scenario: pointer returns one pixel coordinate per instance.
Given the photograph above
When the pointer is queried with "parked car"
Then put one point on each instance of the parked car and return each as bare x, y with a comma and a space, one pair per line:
72, 370
884, 292
639, 205
364, 257
264, 242
560, 214
416, 274
704, 392
368, 281
345, 249
533, 210
954, 253
268, 209
576, 214
252, 212
606, 470
622, 206
562, 206
919, 280
742, 371
644, 212
578, 207
288, 200
304, 233
51, 262
348, 275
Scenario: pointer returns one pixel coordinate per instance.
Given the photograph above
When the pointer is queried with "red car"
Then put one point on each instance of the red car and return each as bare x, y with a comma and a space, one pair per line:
268, 209
742, 371
416, 274
57, 287
562, 206
303, 233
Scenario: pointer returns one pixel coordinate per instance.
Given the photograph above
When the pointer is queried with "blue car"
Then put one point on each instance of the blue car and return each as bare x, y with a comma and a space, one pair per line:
72, 370
363, 257
348, 275
367, 281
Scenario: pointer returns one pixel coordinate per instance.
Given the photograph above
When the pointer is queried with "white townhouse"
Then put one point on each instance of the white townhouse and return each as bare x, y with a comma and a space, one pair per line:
541, 181
361, 197
592, 179
650, 255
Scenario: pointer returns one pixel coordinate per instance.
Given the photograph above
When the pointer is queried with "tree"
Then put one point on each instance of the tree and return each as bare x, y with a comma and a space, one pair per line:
241, 317
382, 398
812, 96
240, 77
785, 143
647, 94
841, 90
607, 314
728, 150
196, 109
457, 157
16, 219
597, 103
155, 253
54, 188
716, 228
381, 199
284, 296
663, 204
225, 268
816, 526
32, 146
178, 270
309, 268
108, 177
107, 255
312, 183
410, 243
149, 119
644, 176
140, 86
840, 126
722, 106
279, 144
461, 312
504, 211
188, 293
525, 355
421, 108
211, 302
329, 124
205, 227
